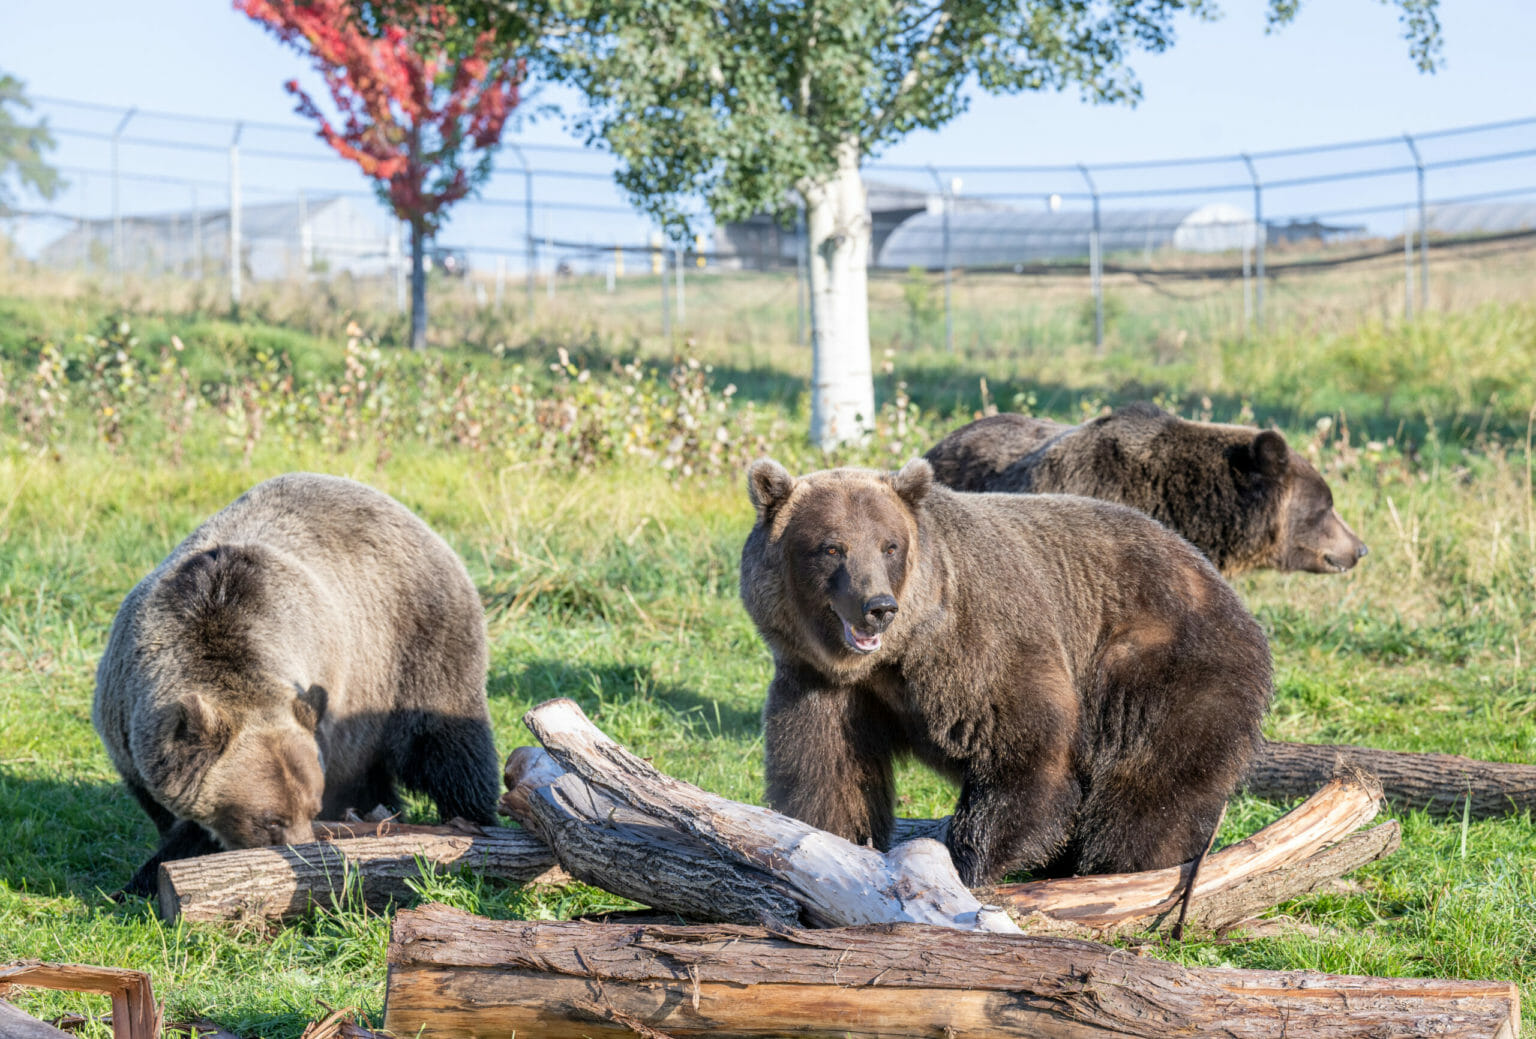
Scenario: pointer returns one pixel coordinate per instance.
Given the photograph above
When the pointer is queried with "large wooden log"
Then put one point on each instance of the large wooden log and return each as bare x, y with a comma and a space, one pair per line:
280, 883
16, 1023
452, 974
1285, 859
135, 1012
746, 875
833, 881
1445, 784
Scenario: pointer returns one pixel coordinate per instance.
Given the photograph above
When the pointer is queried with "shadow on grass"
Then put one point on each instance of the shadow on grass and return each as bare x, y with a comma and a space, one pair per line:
69, 837
622, 689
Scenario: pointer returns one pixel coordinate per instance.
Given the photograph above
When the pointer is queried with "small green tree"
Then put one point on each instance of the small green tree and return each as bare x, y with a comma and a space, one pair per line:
22, 146
742, 102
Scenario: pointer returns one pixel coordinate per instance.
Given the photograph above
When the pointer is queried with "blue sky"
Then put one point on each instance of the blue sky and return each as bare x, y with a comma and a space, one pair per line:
1340, 72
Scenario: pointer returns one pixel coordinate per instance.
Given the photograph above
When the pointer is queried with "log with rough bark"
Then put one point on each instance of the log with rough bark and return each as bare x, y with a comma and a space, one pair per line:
16, 1023
280, 883
669, 829
647, 847
1306, 847
453, 974
1445, 784
135, 1013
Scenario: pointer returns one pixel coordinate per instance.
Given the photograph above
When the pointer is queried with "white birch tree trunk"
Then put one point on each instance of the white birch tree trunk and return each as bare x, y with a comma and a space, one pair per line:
838, 239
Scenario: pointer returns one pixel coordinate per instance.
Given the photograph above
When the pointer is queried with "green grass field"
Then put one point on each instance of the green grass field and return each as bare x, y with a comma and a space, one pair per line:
601, 508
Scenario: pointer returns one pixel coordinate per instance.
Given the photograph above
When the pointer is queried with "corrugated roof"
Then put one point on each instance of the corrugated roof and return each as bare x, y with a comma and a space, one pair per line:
1003, 237
1475, 217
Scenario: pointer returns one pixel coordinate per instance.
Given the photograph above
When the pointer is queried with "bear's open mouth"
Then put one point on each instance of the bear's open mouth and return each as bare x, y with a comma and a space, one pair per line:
857, 642
1337, 565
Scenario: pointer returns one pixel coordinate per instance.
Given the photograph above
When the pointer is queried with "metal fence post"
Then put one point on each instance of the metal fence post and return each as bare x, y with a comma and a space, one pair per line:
399, 243
234, 217
1407, 265
530, 244
946, 199
197, 237
1260, 238
1247, 283
306, 239
1095, 262
1418, 166
660, 260
680, 261
117, 209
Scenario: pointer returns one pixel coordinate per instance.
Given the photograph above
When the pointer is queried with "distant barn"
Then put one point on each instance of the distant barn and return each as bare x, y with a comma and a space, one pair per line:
278, 240
1471, 218
760, 242
1008, 237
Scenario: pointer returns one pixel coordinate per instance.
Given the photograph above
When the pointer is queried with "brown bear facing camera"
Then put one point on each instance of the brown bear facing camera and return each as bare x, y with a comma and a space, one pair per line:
1086, 677
1239, 494
300, 653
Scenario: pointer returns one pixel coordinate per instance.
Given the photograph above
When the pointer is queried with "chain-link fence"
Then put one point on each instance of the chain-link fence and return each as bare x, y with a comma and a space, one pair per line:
969, 257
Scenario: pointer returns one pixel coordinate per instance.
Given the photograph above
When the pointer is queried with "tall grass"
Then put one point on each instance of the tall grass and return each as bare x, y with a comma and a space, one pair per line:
601, 512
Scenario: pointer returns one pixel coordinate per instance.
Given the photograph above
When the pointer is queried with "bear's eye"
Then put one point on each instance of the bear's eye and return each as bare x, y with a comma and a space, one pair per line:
890, 549
832, 550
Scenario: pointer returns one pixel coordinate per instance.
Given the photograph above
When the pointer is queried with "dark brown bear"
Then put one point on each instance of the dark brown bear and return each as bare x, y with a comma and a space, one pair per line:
1086, 676
297, 655
1239, 494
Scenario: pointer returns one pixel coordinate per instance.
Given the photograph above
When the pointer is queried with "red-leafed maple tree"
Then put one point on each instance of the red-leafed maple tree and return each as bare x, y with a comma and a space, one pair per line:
419, 115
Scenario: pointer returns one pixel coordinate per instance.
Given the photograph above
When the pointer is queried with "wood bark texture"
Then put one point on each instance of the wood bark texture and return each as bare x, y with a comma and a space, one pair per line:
1445, 784
453, 974
135, 1013
16, 1023
1283, 860
679, 850
833, 881
280, 883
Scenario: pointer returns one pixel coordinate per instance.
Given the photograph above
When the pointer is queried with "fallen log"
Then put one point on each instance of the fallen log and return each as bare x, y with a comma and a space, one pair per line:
806, 873
453, 974
16, 1023
628, 829
279, 883
1445, 784
1306, 847
135, 1013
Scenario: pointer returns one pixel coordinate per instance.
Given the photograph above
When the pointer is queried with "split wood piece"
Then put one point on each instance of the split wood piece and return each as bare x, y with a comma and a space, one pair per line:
279, 883
833, 881
135, 1014
16, 1023
1284, 860
1445, 784
453, 974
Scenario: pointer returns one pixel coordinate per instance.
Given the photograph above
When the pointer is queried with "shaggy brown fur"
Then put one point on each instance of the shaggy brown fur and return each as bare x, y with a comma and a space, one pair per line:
1086, 676
1239, 494
297, 655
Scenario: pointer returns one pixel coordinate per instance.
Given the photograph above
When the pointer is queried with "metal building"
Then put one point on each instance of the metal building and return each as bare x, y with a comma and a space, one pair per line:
1005, 237
761, 242
1479, 217
277, 240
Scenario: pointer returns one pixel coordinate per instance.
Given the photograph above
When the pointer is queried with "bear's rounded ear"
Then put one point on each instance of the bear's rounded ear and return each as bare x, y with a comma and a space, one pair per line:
768, 485
200, 724
913, 482
1270, 453
309, 706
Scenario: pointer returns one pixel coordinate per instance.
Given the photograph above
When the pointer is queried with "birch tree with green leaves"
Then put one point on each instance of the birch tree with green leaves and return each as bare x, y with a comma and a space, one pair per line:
737, 106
